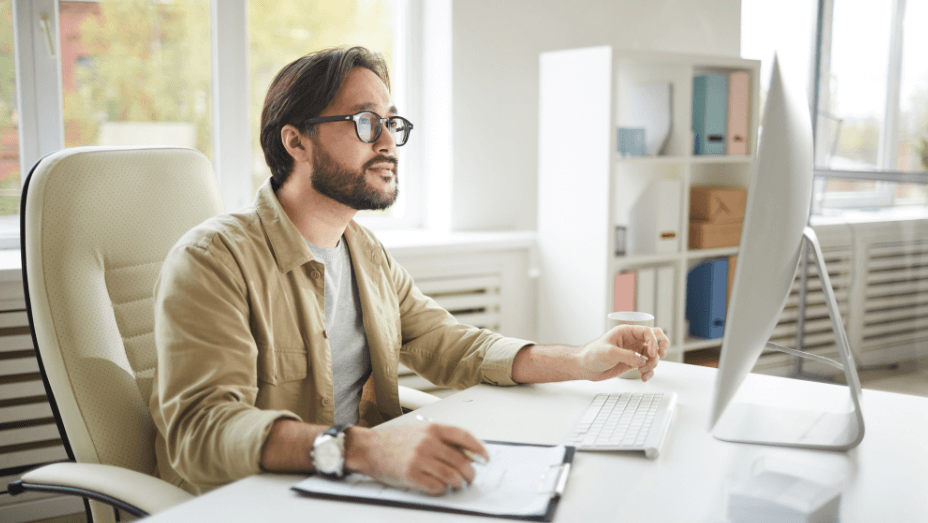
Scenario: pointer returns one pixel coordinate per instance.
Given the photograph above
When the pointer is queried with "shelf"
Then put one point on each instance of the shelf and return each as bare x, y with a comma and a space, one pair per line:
626, 160
696, 159
720, 158
645, 259
701, 343
697, 254
668, 257
606, 189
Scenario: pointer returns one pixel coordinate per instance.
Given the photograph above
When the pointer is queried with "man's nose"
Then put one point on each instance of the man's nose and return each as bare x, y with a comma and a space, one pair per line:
385, 142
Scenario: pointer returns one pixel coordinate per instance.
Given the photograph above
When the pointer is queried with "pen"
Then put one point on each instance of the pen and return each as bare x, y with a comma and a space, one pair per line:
471, 455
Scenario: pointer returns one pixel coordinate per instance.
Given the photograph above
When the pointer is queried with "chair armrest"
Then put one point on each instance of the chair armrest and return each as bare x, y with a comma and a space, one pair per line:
132, 491
413, 399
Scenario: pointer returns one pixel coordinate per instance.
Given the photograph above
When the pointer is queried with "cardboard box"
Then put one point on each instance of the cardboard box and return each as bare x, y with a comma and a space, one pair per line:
717, 204
707, 235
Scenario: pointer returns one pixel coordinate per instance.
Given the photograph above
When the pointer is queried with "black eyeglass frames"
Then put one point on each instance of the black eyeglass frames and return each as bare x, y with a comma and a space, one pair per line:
368, 125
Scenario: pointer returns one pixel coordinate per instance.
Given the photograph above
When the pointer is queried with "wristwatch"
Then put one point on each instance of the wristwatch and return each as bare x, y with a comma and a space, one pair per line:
329, 452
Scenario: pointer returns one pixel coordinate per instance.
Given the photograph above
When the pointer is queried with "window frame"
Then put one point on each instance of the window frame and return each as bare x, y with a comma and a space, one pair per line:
887, 173
41, 114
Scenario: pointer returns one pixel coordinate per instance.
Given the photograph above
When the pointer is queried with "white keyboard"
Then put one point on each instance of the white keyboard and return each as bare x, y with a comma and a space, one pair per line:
625, 421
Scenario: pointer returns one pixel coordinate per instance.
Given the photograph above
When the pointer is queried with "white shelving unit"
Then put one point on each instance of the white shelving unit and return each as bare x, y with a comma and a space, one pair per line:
586, 188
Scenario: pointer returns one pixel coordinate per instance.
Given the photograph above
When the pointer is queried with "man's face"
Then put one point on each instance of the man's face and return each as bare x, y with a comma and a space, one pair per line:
357, 174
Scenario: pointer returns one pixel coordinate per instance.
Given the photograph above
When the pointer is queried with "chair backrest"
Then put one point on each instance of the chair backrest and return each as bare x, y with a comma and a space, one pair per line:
97, 223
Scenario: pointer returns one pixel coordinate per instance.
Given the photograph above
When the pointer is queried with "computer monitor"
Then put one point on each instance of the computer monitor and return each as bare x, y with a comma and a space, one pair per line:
772, 240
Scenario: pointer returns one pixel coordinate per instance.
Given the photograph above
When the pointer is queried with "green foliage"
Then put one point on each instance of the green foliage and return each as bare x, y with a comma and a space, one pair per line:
280, 31
859, 140
7, 66
148, 62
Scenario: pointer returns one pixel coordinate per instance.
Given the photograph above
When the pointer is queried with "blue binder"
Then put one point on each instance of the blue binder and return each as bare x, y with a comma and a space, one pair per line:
706, 297
710, 103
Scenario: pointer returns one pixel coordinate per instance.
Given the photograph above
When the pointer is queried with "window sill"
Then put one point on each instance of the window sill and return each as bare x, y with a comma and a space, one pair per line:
889, 214
422, 242
406, 243
11, 268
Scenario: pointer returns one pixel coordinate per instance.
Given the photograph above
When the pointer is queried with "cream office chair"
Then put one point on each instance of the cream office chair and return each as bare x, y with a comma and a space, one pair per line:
97, 223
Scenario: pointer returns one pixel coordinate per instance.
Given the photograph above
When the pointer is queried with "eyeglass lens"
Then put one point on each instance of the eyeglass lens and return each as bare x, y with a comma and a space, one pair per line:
368, 125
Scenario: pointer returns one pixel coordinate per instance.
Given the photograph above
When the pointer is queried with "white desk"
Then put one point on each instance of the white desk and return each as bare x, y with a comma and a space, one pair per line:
887, 475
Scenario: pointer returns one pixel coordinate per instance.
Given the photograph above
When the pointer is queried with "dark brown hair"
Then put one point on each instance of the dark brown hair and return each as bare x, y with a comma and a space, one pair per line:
301, 90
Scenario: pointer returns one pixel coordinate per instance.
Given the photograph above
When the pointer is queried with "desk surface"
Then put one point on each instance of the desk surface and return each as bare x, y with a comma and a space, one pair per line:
885, 475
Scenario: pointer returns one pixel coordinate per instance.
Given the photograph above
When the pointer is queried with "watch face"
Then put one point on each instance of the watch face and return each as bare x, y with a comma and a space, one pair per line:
327, 455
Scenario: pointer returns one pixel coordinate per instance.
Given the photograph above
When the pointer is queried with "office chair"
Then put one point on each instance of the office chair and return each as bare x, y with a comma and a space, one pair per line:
96, 224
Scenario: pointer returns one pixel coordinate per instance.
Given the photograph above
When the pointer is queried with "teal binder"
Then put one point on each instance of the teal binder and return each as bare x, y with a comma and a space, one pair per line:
710, 102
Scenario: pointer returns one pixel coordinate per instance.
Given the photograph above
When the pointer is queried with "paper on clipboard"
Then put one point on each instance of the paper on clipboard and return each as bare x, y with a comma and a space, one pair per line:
519, 481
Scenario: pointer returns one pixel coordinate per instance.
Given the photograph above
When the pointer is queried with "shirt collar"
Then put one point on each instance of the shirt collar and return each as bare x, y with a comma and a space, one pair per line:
287, 244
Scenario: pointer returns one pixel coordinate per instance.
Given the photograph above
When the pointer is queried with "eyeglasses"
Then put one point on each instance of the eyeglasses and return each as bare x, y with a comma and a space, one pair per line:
368, 125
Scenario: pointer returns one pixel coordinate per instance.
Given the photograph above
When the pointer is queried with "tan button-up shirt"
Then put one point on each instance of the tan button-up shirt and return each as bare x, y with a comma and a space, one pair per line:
240, 334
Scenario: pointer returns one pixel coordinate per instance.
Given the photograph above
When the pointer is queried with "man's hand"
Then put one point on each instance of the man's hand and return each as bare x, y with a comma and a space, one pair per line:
426, 456
621, 349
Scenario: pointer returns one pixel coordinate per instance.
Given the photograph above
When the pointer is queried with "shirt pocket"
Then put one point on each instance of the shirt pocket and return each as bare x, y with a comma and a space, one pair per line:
282, 365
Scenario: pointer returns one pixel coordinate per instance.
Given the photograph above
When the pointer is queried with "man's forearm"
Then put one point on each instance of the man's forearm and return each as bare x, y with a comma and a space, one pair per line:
288, 447
546, 363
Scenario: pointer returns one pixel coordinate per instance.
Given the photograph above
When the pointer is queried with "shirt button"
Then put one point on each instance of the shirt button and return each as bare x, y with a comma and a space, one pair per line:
326, 401
325, 334
315, 275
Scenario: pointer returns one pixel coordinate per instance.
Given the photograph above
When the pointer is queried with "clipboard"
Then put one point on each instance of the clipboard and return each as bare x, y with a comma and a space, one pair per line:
529, 487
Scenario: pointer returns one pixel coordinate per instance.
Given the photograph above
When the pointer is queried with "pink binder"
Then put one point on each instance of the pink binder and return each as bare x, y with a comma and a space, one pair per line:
624, 296
738, 110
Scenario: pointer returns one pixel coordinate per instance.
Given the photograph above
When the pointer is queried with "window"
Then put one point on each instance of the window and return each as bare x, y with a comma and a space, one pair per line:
787, 28
9, 130
282, 31
126, 72
872, 123
146, 86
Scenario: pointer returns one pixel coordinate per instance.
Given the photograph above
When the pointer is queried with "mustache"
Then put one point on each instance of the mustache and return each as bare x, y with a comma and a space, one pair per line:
382, 159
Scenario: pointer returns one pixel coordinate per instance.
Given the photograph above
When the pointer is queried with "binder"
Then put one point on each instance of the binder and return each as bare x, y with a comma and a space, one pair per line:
529, 488
739, 92
706, 298
663, 314
655, 218
623, 297
645, 291
710, 101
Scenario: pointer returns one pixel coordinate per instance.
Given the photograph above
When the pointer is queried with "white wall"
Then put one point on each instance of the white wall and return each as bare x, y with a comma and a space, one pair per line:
495, 48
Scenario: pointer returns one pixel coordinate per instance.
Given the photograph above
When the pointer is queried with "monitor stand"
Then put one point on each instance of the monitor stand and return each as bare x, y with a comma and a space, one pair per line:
787, 427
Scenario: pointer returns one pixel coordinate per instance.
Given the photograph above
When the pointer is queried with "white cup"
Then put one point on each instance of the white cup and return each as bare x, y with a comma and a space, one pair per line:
631, 318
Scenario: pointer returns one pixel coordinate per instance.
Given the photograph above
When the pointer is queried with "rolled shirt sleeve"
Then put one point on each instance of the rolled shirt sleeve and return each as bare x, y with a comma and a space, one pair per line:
444, 351
203, 400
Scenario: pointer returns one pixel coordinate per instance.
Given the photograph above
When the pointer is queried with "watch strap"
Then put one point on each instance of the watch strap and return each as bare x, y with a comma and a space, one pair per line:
337, 432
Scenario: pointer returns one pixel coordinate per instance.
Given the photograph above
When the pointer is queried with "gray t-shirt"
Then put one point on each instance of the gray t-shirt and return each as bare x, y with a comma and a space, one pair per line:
351, 359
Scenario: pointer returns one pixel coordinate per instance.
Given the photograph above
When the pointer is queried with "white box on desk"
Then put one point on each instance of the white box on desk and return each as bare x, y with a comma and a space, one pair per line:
654, 226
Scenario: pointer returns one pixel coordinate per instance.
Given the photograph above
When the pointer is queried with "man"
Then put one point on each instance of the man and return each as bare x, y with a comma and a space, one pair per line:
279, 328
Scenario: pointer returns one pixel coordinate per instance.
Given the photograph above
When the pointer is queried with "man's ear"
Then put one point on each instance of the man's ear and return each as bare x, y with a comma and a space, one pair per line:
297, 145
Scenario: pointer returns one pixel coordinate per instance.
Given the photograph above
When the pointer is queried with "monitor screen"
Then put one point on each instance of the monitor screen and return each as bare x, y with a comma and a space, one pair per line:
779, 199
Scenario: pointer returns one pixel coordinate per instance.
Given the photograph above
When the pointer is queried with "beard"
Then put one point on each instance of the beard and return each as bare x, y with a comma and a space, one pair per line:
351, 188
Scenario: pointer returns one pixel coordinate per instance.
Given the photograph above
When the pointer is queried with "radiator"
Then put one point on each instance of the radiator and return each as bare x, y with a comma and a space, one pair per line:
818, 335
472, 298
895, 299
28, 433
879, 272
